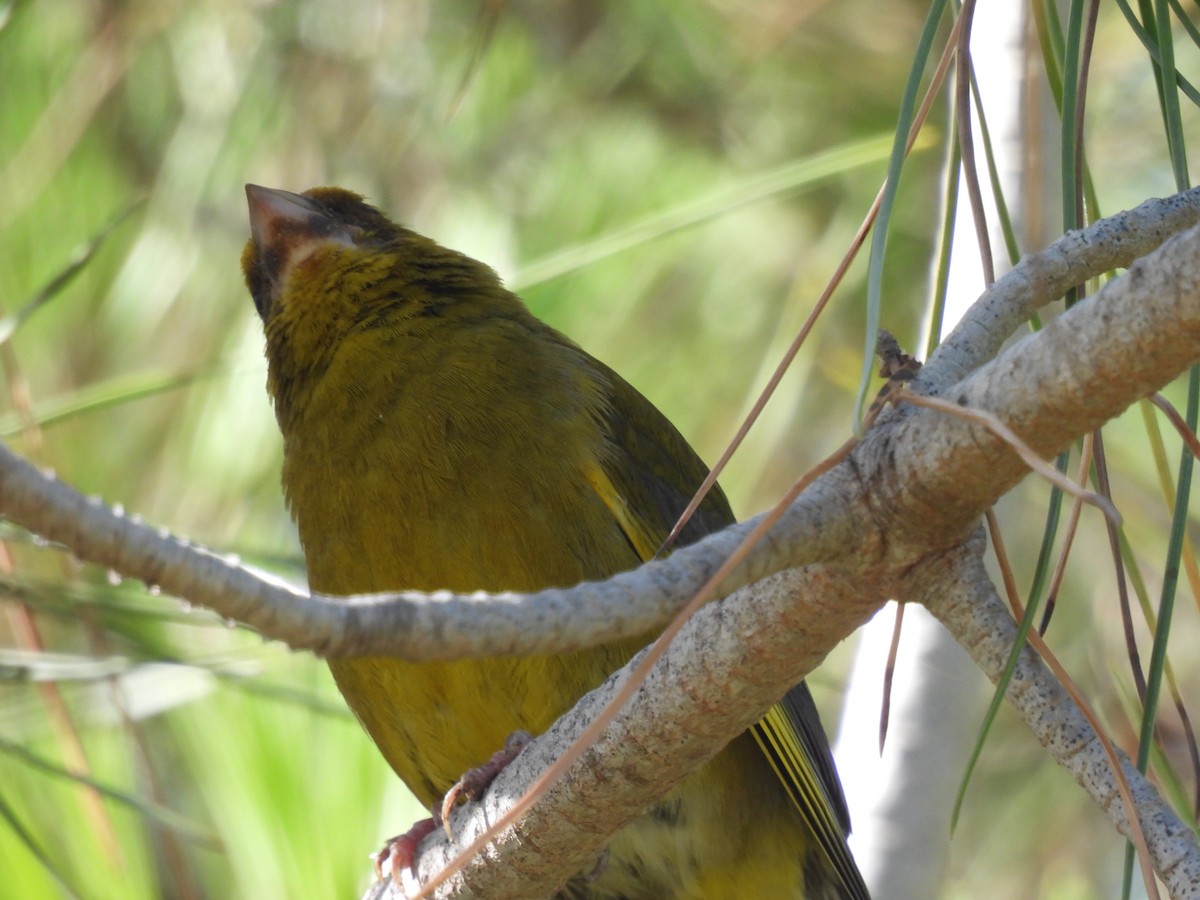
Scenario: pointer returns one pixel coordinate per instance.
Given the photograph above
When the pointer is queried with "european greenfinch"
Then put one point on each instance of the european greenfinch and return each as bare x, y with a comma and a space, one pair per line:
437, 435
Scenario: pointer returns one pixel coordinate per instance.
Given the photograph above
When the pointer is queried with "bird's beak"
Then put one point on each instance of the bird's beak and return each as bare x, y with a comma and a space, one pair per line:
274, 213
285, 228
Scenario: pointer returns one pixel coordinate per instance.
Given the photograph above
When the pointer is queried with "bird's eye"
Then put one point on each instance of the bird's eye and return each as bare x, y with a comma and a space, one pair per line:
321, 225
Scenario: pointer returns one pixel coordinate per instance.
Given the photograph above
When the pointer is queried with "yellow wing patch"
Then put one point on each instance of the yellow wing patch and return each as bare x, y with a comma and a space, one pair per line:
644, 543
780, 744
775, 733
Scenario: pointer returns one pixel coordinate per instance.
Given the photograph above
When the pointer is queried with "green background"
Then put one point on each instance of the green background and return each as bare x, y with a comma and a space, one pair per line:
669, 183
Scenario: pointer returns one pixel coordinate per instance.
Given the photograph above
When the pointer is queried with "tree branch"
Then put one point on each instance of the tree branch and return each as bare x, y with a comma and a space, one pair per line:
725, 668
1041, 278
932, 476
964, 599
408, 624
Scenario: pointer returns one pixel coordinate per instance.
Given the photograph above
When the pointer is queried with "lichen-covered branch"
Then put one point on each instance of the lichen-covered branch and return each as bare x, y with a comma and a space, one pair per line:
964, 599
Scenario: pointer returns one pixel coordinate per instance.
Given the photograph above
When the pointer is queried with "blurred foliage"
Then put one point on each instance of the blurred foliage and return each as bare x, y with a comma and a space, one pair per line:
525, 134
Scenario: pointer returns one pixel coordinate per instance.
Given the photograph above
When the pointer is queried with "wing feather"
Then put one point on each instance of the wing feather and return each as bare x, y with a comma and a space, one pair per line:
646, 480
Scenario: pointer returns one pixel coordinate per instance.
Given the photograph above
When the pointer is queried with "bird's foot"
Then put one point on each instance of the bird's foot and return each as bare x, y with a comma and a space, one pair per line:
400, 852
475, 781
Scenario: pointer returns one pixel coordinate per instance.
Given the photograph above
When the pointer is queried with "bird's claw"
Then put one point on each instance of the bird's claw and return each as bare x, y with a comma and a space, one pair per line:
400, 852
475, 781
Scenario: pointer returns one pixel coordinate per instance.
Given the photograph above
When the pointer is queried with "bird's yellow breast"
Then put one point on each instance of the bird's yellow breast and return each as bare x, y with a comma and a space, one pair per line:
425, 483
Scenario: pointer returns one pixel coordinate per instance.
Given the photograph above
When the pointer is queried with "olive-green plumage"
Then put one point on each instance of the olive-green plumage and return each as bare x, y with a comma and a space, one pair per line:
437, 435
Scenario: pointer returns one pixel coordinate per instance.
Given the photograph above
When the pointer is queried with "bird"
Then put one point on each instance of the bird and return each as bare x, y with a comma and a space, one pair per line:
437, 435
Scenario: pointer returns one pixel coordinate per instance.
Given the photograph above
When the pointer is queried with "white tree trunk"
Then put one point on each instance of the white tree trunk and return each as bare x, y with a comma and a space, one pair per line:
900, 802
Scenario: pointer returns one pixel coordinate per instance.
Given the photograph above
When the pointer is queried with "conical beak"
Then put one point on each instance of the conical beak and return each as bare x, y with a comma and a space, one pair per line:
274, 213
284, 229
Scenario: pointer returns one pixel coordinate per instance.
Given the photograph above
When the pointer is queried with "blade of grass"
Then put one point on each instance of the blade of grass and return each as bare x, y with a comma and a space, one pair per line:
787, 178
9, 815
79, 260
105, 395
895, 164
162, 815
1189, 90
